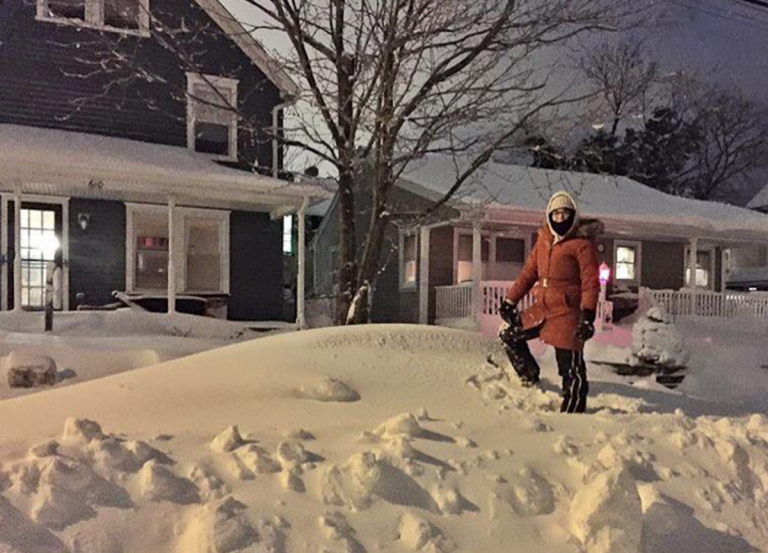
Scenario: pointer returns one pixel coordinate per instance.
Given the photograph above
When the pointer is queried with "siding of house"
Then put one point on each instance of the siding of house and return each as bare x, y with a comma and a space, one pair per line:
39, 62
662, 265
256, 283
96, 254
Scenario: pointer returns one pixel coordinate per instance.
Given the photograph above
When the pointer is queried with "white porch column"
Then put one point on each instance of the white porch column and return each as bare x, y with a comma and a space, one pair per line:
4, 247
477, 271
301, 271
171, 255
424, 276
17, 250
692, 256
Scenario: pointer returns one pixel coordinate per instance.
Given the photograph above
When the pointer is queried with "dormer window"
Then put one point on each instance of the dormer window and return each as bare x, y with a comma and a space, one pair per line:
128, 16
212, 116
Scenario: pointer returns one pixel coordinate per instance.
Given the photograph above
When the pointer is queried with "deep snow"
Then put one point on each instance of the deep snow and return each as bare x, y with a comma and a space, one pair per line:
387, 438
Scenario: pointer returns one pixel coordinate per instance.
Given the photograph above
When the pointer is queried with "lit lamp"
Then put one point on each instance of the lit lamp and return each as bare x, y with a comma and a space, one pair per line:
603, 309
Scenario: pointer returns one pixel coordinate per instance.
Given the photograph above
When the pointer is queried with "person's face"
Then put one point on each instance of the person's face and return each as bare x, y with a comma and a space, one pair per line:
560, 215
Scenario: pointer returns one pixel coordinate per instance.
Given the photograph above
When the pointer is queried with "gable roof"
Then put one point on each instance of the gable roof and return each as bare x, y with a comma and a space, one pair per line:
250, 46
760, 200
502, 189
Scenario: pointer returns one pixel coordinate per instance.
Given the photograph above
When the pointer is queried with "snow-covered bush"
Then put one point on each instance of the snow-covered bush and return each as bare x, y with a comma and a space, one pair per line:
657, 341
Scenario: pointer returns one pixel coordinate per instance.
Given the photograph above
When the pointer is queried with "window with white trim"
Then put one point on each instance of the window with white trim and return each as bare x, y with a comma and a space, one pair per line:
212, 116
626, 262
201, 252
408, 259
129, 16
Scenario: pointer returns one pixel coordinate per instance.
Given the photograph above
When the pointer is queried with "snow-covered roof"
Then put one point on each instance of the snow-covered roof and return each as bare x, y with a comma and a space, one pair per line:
749, 274
250, 46
49, 161
501, 188
760, 200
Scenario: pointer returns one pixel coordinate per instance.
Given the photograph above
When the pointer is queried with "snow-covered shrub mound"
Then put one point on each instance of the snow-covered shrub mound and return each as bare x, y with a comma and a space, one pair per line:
656, 341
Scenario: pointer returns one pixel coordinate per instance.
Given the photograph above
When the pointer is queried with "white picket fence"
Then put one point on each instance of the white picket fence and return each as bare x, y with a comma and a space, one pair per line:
455, 302
702, 303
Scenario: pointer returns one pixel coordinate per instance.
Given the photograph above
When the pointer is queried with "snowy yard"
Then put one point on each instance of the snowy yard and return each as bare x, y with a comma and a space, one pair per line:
386, 438
92, 344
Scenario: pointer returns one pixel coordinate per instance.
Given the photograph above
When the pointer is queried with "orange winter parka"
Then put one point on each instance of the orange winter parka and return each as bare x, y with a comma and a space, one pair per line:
563, 275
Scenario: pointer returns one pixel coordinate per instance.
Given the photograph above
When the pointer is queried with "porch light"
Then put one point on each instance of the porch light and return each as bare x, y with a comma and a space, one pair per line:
605, 274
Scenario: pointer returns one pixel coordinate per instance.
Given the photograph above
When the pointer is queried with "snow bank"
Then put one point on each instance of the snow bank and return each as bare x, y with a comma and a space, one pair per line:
443, 451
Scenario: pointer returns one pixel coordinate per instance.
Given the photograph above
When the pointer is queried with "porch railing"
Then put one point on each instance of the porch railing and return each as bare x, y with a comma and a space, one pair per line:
703, 303
455, 302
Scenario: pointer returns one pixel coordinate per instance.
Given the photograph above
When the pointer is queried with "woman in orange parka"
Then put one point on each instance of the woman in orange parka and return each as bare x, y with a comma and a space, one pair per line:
562, 271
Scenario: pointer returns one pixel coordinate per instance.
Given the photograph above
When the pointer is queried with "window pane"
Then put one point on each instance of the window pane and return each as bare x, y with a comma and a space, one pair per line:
35, 297
625, 271
203, 256
24, 218
625, 254
49, 220
151, 261
123, 14
35, 219
74, 9
410, 271
211, 138
510, 250
409, 247
288, 234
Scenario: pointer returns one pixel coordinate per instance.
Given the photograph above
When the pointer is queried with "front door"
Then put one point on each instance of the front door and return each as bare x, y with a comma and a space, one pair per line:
40, 242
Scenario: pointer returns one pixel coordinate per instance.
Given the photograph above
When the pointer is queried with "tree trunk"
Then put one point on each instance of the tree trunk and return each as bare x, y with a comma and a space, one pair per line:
347, 255
369, 270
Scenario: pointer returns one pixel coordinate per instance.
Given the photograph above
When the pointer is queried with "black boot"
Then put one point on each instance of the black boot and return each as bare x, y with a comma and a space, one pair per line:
516, 346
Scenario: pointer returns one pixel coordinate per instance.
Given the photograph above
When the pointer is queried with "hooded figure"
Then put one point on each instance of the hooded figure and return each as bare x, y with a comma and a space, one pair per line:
562, 271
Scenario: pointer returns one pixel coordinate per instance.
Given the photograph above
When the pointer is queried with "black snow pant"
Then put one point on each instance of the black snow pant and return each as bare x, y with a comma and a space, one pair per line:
570, 366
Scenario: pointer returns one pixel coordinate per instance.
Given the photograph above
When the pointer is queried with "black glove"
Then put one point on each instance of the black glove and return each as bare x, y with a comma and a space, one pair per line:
508, 312
586, 327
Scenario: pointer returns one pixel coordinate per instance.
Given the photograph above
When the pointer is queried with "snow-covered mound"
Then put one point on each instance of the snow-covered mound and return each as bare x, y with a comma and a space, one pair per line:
259, 446
657, 341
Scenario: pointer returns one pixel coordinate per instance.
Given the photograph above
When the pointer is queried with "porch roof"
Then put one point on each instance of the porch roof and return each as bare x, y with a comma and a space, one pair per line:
63, 163
519, 195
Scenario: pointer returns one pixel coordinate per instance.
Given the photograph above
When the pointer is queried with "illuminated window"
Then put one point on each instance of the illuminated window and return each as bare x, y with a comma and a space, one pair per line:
626, 266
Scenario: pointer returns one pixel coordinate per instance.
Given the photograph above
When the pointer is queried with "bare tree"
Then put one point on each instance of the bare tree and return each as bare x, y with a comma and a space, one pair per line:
624, 78
389, 81
732, 140
394, 80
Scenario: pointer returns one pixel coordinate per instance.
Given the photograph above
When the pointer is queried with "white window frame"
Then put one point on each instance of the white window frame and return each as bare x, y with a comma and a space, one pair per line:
181, 226
401, 250
638, 247
94, 17
712, 266
222, 84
